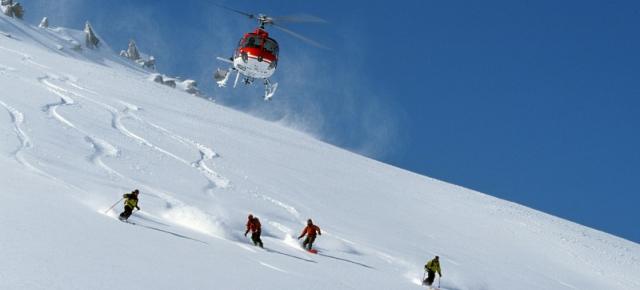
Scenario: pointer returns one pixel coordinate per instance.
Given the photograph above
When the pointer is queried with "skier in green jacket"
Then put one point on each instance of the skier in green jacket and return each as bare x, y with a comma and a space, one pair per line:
432, 267
130, 202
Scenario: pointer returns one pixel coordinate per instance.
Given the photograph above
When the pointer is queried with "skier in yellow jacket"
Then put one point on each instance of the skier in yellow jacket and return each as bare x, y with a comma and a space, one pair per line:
130, 202
432, 267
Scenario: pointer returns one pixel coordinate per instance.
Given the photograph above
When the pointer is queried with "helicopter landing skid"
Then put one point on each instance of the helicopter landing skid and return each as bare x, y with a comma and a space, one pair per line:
269, 88
222, 77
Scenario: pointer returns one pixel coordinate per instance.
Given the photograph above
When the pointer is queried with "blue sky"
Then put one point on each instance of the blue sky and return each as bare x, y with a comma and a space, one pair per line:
537, 102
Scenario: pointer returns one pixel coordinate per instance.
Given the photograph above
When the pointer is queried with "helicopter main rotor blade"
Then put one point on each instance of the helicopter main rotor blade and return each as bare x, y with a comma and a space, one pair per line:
303, 38
275, 21
251, 16
298, 18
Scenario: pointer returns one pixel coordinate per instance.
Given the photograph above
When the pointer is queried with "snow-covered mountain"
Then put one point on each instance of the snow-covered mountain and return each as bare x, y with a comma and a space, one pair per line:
80, 127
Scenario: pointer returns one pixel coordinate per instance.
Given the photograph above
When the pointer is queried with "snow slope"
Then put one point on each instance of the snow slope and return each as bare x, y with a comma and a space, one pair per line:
80, 128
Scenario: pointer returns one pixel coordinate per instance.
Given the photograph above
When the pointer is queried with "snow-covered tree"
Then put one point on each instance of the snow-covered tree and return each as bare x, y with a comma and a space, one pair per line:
132, 51
5, 6
18, 11
44, 23
134, 54
90, 38
12, 9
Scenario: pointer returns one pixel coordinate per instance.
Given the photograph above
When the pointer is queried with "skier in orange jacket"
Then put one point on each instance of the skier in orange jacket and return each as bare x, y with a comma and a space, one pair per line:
310, 231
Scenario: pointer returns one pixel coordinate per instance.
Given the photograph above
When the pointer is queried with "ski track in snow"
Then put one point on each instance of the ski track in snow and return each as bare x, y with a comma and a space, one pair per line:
52, 109
215, 180
4, 69
179, 212
206, 153
25, 142
73, 84
272, 267
101, 147
17, 118
25, 57
289, 209
284, 229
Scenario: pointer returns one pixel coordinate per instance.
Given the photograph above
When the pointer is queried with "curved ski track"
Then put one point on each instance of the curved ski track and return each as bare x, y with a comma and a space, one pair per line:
289, 209
215, 179
25, 142
103, 148
206, 153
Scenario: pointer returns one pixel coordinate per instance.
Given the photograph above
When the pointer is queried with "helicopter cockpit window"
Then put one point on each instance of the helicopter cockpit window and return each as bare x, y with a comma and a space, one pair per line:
271, 46
253, 42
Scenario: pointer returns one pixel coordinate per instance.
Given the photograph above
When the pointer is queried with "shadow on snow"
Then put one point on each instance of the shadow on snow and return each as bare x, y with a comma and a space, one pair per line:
346, 260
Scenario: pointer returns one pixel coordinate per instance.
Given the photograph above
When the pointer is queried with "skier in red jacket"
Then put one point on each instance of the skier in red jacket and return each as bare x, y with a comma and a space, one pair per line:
253, 226
310, 231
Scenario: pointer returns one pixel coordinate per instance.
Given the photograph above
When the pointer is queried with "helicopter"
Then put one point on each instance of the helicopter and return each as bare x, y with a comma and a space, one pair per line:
256, 55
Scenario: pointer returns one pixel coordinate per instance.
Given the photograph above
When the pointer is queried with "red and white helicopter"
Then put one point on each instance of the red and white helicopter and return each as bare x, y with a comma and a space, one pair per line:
256, 56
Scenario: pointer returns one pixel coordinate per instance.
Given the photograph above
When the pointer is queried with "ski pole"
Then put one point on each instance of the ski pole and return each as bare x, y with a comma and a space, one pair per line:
439, 281
119, 200
423, 275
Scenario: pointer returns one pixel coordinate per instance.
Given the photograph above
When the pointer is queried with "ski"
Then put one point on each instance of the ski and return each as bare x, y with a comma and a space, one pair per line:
126, 221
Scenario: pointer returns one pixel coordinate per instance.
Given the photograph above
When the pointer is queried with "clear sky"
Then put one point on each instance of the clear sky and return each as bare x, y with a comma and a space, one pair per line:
537, 102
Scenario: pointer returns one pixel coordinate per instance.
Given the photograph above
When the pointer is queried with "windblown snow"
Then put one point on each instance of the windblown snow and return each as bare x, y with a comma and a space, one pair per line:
81, 127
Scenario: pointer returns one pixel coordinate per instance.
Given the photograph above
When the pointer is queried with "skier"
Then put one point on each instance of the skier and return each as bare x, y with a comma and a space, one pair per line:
130, 202
432, 267
253, 225
310, 231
